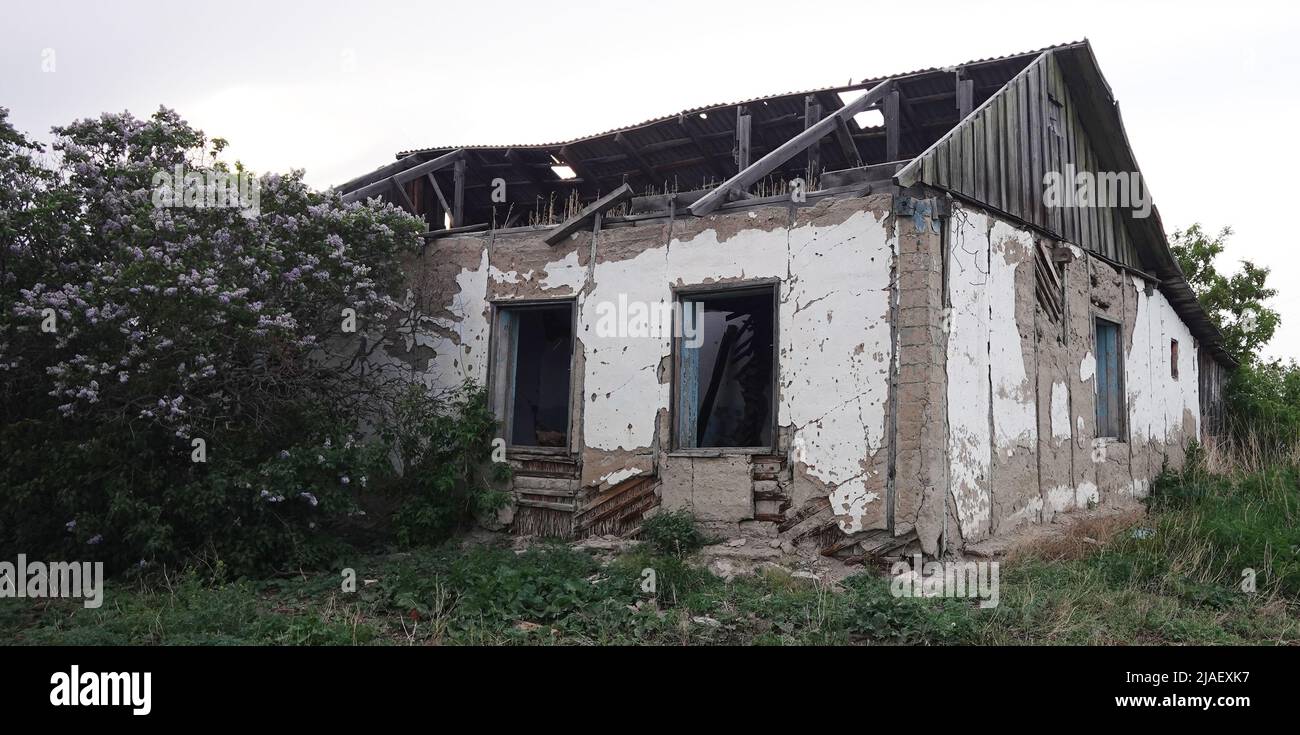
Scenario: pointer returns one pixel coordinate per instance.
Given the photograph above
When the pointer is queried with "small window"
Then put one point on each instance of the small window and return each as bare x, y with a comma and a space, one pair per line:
1110, 381
1173, 358
725, 387
532, 367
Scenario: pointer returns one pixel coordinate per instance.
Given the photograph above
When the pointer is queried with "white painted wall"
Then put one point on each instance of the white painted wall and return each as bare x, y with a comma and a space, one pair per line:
834, 338
970, 437
989, 408
1156, 400
834, 341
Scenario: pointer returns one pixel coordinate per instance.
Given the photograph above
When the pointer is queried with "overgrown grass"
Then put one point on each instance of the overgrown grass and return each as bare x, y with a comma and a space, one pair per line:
1174, 577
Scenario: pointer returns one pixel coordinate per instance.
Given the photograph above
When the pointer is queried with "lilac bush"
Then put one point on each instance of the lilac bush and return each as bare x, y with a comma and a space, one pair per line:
161, 367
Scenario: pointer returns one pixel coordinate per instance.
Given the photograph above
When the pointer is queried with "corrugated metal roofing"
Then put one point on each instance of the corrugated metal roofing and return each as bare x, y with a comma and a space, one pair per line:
865, 83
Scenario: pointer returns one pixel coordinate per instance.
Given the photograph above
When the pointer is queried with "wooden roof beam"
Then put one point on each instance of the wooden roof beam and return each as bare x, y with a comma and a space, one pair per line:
688, 127
381, 173
600, 206
756, 171
519, 164
635, 156
402, 177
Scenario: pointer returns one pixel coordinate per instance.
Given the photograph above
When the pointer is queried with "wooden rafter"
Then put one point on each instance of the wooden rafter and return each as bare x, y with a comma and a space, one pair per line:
437, 191
848, 147
601, 205
812, 112
401, 178
458, 194
744, 136
635, 156
756, 171
893, 126
688, 127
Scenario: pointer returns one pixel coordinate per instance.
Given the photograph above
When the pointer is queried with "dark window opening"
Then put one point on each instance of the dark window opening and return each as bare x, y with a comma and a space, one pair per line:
1173, 358
1110, 381
726, 395
534, 361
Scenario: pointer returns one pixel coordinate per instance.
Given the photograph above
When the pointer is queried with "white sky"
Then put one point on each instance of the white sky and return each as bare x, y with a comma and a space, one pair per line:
1208, 90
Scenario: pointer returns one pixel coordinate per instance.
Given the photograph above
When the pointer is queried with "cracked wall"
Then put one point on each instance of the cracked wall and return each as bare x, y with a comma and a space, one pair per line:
1022, 440
831, 264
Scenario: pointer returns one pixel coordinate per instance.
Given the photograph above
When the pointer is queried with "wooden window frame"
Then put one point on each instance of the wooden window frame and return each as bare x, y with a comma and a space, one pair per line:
688, 293
498, 372
1121, 418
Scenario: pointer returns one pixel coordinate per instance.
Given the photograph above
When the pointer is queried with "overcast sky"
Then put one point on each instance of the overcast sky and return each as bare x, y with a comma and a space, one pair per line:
1208, 90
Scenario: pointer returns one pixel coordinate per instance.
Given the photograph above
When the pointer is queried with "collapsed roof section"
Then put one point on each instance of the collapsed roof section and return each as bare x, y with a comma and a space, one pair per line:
985, 130
699, 148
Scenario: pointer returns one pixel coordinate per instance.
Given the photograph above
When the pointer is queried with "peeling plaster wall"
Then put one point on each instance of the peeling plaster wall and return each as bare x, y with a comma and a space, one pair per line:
992, 419
1021, 403
832, 264
970, 430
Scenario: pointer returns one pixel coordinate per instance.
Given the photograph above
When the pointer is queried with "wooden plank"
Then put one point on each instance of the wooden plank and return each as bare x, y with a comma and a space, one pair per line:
967, 143
812, 112
403, 198
762, 167
1070, 226
893, 131
1035, 141
404, 176
458, 194
437, 190
1001, 116
992, 187
965, 97
952, 147
1014, 198
543, 485
1078, 143
852, 157
744, 134
566, 507
381, 173
978, 173
1026, 164
621, 194
1085, 216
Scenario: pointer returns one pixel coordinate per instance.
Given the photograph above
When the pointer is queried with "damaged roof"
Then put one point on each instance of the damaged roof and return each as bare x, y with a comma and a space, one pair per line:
698, 148
695, 148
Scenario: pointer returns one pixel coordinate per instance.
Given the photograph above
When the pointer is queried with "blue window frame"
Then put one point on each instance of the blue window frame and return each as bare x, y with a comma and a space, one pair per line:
1110, 381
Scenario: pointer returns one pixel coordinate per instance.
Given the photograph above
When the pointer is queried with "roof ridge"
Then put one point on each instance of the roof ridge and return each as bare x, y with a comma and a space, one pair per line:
762, 98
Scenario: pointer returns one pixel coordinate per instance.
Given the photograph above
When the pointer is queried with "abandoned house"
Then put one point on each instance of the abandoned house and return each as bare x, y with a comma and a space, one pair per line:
849, 317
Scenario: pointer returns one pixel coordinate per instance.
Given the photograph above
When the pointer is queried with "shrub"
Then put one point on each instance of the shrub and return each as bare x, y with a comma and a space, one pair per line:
136, 339
672, 532
443, 445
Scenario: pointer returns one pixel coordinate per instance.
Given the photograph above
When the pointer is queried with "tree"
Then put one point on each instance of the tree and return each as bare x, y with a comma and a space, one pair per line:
1262, 396
1233, 302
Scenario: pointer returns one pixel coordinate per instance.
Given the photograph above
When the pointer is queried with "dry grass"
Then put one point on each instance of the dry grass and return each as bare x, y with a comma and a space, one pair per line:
1245, 456
1077, 537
